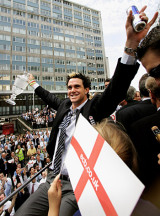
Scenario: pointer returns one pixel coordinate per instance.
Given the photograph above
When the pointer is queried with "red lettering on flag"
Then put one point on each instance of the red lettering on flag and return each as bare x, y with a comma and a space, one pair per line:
86, 175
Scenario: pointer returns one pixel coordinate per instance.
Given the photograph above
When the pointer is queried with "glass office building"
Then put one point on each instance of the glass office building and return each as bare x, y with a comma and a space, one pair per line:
49, 38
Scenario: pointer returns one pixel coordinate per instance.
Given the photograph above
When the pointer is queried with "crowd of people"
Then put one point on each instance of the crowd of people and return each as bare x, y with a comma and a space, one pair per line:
21, 156
40, 118
132, 134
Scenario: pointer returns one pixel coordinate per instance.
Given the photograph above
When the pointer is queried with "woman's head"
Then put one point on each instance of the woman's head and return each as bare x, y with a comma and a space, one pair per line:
119, 141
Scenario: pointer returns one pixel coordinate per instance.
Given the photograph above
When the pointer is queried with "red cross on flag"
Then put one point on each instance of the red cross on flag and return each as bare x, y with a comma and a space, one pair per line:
102, 183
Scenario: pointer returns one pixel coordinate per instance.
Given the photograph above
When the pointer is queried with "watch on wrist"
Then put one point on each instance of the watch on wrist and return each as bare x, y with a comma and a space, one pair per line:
130, 51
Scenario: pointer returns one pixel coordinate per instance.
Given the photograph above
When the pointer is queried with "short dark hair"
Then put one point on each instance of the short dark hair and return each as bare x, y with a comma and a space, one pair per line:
107, 80
150, 42
142, 50
86, 80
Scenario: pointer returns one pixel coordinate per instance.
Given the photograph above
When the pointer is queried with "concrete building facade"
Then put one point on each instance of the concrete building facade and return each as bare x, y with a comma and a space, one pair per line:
50, 38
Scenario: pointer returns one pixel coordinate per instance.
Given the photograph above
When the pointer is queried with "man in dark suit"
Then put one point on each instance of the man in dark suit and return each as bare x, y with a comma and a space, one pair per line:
144, 139
3, 163
22, 196
94, 110
137, 111
8, 152
129, 99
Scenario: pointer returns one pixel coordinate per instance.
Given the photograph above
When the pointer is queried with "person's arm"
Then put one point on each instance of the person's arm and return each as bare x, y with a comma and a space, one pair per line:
12, 203
8, 186
28, 153
45, 95
54, 197
133, 37
25, 175
124, 72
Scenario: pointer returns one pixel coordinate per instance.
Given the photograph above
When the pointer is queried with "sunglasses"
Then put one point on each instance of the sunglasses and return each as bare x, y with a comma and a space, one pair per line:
155, 72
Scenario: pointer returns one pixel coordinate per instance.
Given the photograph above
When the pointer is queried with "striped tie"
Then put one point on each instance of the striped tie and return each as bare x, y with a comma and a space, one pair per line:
61, 143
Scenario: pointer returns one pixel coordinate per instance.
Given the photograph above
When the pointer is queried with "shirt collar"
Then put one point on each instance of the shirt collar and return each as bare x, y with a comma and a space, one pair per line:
79, 107
146, 98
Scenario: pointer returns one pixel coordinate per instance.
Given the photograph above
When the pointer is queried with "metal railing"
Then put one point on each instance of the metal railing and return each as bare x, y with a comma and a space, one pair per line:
24, 185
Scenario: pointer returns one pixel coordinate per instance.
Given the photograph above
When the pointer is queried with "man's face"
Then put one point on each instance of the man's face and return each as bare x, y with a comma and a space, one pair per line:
76, 92
106, 84
2, 197
38, 158
18, 171
3, 155
19, 166
12, 154
32, 171
150, 60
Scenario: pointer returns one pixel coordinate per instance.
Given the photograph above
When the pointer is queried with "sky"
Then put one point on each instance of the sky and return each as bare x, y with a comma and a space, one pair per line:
113, 13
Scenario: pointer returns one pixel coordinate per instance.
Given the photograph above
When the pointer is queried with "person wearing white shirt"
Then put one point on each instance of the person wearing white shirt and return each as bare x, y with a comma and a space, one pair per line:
33, 185
8, 207
44, 177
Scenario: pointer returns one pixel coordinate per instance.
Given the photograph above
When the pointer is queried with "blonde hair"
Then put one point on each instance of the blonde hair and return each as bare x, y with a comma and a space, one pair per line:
119, 141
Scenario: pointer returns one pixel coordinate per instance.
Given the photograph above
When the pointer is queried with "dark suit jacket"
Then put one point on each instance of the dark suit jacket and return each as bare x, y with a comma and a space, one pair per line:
2, 166
8, 154
147, 146
135, 112
21, 198
129, 103
101, 106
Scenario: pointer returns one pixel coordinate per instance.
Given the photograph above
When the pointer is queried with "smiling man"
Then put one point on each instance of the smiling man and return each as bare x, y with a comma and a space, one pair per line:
77, 92
94, 110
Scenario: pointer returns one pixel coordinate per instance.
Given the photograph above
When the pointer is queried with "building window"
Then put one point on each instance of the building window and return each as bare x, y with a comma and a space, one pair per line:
59, 70
5, 19
19, 58
19, 39
47, 69
5, 10
47, 60
5, 67
59, 45
58, 37
33, 59
46, 52
33, 41
5, 47
33, 50
33, 68
72, 63
69, 18
56, 53
67, 3
34, 1
19, 13
19, 6
45, 12
45, 19
69, 39
33, 16
59, 61
19, 48
46, 43
5, 37
18, 68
